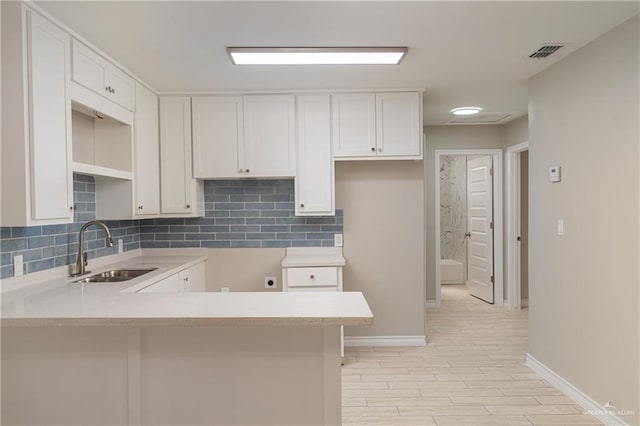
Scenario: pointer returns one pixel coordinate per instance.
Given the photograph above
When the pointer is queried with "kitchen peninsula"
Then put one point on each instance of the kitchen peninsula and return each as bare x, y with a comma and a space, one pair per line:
108, 353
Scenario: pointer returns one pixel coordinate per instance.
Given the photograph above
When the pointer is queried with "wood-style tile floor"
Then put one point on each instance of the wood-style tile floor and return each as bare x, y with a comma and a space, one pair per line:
471, 372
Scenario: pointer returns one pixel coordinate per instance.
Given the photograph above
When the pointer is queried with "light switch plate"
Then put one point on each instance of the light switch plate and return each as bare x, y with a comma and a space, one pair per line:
554, 174
560, 227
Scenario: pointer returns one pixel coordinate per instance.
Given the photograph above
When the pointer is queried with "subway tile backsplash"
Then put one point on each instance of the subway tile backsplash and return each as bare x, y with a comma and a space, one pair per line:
239, 213
49, 246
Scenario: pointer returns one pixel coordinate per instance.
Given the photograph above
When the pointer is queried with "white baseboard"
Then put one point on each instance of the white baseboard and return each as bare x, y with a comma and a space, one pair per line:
602, 413
431, 304
524, 303
353, 341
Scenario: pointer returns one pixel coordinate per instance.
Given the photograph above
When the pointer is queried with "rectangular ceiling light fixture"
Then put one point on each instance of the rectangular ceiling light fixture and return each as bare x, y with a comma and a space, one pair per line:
316, 55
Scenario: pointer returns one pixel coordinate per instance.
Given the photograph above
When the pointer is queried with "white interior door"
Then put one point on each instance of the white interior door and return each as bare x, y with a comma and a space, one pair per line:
480, 225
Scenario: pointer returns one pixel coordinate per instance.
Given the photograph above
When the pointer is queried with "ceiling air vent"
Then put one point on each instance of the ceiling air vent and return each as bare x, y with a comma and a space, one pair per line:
546, 50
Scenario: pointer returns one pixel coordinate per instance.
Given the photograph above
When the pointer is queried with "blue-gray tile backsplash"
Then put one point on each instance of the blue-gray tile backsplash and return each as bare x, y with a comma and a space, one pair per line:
238, 213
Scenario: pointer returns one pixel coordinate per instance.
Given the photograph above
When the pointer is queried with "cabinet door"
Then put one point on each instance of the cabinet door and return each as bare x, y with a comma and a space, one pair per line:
193, 279
147, 153
269, 135
88, 68
314, 176
121, 87
354, 125
175, 155
99, 75
217, 136
398, 124
49, 120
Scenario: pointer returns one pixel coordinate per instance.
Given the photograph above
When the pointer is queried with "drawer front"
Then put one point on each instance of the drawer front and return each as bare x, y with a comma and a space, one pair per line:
312, 277
298, 289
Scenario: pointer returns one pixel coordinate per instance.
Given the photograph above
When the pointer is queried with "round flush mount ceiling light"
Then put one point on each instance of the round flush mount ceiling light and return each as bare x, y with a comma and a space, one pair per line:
466, 110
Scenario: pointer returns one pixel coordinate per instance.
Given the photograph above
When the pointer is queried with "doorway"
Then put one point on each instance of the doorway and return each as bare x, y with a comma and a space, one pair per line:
517, 226
495, 156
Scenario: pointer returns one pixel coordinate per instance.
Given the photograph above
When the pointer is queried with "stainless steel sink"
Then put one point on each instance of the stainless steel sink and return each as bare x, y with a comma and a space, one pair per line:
115, 275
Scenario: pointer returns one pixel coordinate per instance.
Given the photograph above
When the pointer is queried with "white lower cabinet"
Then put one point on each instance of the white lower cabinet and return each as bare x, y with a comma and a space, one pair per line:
319, 278
313, 269
188, 280
193, 279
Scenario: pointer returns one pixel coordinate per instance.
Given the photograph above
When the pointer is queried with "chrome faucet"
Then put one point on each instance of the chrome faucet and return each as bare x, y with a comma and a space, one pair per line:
79, 267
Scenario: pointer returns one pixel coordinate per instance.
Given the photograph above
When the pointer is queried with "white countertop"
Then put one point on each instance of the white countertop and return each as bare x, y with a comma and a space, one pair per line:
305, 257
59, 301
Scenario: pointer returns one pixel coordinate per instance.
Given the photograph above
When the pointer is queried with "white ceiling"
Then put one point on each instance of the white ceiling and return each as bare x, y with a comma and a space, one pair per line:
462, 53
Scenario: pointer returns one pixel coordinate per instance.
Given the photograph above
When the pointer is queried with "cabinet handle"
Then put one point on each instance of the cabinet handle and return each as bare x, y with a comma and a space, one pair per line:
139, 207
302, 205
373, 149
113, 90
188, 206
106, 88
70, 208
246, 170
312, 277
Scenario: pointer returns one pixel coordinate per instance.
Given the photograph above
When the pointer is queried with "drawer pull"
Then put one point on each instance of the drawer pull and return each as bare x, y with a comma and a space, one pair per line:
312, 277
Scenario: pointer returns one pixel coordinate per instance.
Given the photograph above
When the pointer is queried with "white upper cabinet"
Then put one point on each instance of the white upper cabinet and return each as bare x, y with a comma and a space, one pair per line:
36, 173
398, 124
180, 194
243, 136
354, 124
377, 126
50, 120
269, 136
218, 142
99, 75
314, 185
147, 153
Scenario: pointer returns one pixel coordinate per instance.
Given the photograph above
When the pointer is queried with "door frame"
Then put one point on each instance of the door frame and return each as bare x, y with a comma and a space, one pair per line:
514, 227
498, 256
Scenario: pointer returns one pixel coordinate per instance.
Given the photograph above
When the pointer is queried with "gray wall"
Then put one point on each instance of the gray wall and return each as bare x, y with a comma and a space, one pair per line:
448, 137
384, 242
516, 131
583, 288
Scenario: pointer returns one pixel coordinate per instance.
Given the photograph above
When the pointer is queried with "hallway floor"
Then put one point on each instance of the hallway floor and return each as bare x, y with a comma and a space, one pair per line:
471, 372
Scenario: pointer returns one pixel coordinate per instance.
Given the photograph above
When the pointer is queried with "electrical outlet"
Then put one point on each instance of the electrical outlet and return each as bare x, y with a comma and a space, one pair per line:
120, 246
337, 240
18, 265
270, 282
